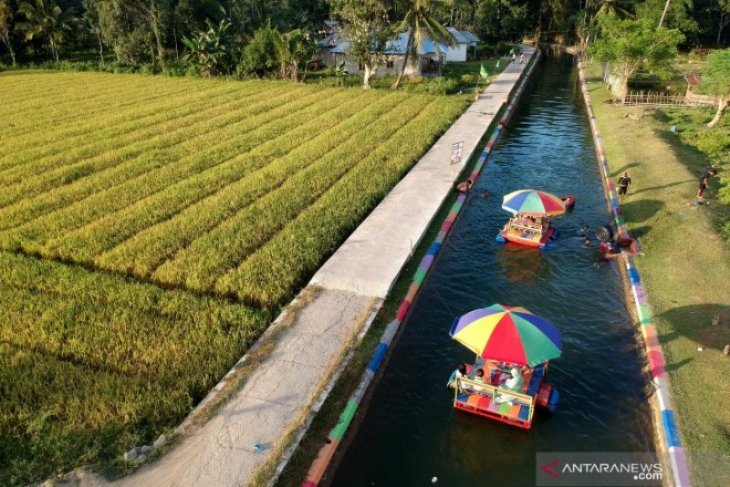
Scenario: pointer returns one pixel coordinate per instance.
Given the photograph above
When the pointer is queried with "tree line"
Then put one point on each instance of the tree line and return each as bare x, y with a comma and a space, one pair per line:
137, 32
215, 34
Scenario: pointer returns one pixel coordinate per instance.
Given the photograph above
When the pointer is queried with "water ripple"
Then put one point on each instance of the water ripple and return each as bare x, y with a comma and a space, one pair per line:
410, 432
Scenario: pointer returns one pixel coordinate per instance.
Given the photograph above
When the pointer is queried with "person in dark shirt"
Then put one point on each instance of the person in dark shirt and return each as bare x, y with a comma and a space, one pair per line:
623, 184
704, 181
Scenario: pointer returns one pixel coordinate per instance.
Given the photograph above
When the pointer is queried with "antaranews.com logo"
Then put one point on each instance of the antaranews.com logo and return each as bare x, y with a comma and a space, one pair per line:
590, 469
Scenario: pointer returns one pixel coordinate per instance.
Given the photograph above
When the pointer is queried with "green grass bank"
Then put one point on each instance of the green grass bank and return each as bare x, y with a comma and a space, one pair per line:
685, 265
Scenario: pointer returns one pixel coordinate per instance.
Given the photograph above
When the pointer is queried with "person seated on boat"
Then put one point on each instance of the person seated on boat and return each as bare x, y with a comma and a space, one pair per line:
457, 374
515, 380
464, 186
498, 376
479, 376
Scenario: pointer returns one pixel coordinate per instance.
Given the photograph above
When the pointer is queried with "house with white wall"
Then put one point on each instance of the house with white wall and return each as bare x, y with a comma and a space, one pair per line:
463, 41
430, 55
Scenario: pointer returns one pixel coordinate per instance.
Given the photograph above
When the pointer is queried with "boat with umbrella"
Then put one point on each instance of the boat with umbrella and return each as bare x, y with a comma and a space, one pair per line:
530, 224
507, 381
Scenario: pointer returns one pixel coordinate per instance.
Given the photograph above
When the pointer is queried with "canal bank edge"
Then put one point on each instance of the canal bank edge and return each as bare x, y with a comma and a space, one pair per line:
246, 428
669, 440
323, 461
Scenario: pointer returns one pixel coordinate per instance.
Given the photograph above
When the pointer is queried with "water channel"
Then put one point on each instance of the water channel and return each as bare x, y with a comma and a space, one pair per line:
410, 433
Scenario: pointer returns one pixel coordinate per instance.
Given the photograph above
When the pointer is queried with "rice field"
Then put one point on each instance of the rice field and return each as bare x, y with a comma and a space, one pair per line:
151, 227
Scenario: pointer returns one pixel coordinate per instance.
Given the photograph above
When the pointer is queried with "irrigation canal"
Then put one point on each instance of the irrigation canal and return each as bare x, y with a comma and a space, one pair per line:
410, 432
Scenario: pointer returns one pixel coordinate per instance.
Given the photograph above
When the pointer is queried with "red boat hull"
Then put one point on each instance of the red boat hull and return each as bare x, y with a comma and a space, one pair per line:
527, 242
569, 201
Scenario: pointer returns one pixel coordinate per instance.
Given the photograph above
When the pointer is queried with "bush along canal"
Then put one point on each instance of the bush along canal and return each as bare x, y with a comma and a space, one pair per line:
410, 432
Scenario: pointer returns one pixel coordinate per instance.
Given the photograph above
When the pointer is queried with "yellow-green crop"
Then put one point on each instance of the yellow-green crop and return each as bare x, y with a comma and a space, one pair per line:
151, 227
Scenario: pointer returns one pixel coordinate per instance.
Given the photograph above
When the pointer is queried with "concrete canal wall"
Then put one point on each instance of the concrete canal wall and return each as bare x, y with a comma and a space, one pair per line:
288, 372
669, 437
324, 459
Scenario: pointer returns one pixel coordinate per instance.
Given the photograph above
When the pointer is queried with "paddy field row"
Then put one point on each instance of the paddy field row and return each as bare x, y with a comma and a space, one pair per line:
150, 229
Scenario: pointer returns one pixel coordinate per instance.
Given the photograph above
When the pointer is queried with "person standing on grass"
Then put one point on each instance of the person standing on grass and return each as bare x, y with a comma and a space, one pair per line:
623, 184
704, 181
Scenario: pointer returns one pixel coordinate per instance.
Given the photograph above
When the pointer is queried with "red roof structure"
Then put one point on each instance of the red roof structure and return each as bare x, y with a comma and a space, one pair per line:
693, 79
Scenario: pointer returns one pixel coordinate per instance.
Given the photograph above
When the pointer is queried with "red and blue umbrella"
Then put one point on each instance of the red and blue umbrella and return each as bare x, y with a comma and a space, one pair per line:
508, 334
532, 202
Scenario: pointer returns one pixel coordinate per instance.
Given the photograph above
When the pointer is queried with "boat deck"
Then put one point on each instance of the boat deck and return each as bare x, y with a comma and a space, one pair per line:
515, 408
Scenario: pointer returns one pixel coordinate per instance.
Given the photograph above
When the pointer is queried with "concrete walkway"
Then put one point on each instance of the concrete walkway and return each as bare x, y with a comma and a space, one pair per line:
312, 336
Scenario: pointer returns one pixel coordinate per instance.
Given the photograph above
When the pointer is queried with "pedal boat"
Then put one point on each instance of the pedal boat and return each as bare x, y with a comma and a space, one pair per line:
515, 408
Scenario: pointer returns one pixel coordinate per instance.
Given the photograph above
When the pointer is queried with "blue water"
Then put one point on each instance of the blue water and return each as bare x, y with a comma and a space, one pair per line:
409, 432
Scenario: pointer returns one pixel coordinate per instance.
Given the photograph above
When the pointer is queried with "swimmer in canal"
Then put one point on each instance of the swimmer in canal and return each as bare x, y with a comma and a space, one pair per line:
464, 186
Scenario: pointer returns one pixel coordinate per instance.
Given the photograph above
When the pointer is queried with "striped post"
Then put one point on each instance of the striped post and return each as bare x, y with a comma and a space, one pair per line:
653, 349
324, 458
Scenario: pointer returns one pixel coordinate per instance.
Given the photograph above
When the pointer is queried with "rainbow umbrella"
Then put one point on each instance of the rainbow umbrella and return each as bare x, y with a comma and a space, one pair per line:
508, 334
532, 202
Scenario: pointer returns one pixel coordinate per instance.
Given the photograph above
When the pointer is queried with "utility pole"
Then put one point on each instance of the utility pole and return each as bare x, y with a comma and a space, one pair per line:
664, 13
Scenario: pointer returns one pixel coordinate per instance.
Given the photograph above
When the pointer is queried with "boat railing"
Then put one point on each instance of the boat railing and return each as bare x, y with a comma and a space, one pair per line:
498, 394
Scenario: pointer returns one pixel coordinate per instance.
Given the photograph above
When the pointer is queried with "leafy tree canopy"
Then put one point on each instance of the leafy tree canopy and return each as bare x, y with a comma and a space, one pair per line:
716, 75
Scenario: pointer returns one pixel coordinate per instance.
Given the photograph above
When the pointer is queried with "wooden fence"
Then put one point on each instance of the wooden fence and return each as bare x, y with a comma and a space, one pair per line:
655, 99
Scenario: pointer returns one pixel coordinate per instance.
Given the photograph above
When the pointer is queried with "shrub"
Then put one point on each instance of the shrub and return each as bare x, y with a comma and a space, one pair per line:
260, 56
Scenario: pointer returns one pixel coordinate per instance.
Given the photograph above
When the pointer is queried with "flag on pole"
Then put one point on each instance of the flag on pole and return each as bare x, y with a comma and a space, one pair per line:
512, 51
483, 72
496, 66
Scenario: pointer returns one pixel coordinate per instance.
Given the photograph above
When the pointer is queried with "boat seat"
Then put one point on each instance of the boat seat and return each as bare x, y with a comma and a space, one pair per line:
524, 413
536, 379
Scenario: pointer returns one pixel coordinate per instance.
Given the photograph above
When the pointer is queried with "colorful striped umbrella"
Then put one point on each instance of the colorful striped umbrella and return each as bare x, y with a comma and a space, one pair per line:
508, 334
532, 202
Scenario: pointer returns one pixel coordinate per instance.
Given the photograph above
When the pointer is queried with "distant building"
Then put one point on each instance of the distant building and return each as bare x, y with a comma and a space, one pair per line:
430, 57
463, 40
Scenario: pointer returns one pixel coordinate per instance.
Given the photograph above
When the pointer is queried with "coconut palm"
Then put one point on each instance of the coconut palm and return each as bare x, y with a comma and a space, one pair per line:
45, 19
421, 25
6, 17
605, 7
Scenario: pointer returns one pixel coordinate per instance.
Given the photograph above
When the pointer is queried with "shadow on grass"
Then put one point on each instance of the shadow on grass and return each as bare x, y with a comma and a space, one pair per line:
641, 210
664, 186
697, 162
623, 168
639, 232
677, 365
707, 324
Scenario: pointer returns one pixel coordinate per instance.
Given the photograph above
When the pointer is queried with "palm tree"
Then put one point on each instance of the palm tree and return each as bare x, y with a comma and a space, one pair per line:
605, 7
421, 25
6, 17
44, 18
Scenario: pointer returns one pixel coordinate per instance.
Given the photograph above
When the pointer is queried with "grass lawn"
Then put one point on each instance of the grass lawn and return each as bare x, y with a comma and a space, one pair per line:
685, 266
151, 227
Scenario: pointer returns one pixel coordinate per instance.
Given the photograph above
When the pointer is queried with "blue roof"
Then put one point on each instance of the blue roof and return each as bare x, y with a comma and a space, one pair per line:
458, 35
397, 46
340, 47
469, 36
